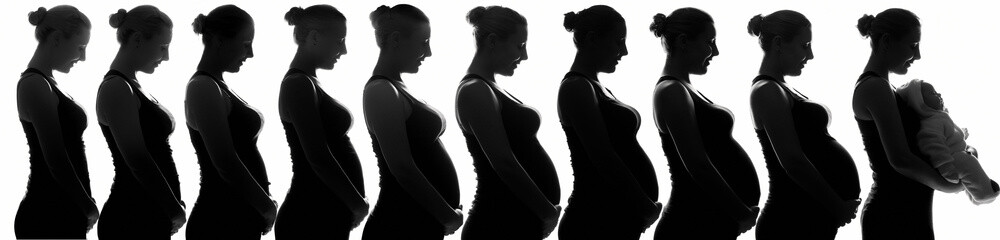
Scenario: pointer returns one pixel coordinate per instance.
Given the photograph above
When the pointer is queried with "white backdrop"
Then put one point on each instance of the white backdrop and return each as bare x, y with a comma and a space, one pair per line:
957, 37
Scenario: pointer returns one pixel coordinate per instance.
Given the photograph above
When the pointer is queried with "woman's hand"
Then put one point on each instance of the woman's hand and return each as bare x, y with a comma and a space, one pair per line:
359, 214
454, 223
269, 216
652, 215
551, 223
849, 213
747, 222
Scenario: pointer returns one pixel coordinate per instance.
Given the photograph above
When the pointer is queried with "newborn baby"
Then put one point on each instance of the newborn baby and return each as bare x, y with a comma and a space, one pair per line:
944, 142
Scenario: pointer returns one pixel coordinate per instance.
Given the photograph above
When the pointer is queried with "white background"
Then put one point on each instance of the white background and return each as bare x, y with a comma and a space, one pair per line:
958, 38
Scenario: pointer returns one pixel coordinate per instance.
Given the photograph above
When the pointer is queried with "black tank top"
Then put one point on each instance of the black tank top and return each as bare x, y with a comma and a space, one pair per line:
336, 121
622, 123
72, 121
156, 124
520, 122
244, 126
896, 204
832, 161
715, 124
424, 126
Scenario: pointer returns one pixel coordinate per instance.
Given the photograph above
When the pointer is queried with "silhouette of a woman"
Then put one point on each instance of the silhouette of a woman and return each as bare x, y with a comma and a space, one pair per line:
145, 200
518, 192
899, 205
614, 188
327, 196
715, 187
813, 181
419, 187
57, 203
234, 202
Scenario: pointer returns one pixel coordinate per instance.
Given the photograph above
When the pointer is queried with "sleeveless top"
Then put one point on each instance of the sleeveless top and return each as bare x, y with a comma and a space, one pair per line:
244, 126
894, 196
72, 121
715, 124
336, 121
156, 125
424, 126
830, 159
520, 123
622, 123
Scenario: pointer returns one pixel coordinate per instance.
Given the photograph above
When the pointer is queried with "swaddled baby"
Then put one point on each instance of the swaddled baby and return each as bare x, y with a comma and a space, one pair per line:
944, 142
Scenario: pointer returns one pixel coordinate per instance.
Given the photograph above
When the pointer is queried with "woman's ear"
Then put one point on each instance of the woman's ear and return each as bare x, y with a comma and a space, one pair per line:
589, 38
135, 39
882, 46
392, 40
312, 38
776, 43
491, 40
681, 41
55, 38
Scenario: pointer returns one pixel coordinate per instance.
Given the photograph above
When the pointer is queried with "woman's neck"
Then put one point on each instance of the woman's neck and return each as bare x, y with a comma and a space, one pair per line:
480, 66
585, 65
303, 63
124, 64
210, 66
770, 67
673, 68
40, 61
877, 65
385, 68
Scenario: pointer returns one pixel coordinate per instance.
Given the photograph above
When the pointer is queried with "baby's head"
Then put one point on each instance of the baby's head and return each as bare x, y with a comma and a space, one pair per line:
931, 97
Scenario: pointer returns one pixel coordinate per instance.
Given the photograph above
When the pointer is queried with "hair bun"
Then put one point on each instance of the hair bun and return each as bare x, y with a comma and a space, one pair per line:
658, 25
118, 18
755, 26
865, 24
199, 24
475, 15
569, 22
292, 17
376, 15
36, 17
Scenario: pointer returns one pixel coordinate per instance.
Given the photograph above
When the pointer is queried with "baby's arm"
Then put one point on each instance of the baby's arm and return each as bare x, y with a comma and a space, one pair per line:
932, 142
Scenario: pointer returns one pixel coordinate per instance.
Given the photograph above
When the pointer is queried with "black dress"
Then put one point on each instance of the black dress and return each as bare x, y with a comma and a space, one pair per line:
595, 209
692, 213
790, 211
46, 211
130, 212
396, 214
220, 211
496, 212
897, 206
311, 209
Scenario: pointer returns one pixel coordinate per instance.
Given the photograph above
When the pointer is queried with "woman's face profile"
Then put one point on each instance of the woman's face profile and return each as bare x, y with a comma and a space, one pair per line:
904, 51
415, 47
509, 52
237, 49
612, 48
332, 45
703, 49
797, 52
70, 50
154, 50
